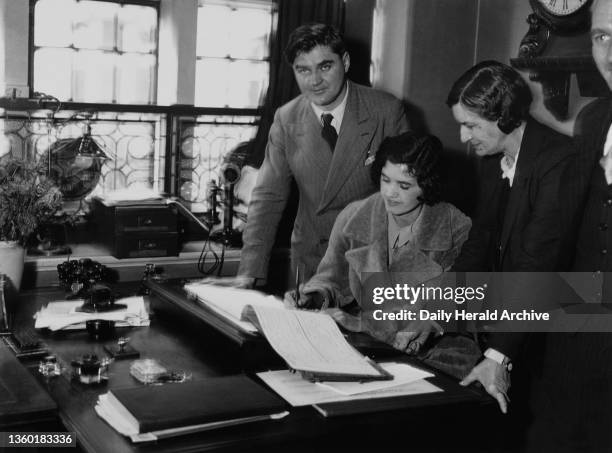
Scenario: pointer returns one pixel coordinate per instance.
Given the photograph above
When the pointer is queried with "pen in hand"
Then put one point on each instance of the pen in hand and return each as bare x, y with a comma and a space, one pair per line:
297, 286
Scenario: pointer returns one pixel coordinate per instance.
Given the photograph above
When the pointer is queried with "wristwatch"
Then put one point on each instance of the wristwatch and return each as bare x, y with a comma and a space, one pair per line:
507, 364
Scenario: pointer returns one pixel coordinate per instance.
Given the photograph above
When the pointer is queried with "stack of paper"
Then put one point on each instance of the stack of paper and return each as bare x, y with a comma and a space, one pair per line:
65, 315
407, 380
130, 195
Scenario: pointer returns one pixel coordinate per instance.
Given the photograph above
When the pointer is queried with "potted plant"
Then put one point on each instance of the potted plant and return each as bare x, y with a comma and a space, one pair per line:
27, 200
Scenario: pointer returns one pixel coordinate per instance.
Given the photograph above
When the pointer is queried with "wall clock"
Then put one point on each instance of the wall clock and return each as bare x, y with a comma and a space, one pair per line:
556, 46
557, 17
562, 15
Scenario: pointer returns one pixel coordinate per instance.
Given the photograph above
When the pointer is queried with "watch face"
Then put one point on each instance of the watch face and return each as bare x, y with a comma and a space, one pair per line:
562, 7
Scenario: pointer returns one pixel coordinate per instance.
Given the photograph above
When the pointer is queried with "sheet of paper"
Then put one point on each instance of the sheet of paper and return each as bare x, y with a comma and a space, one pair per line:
229, 302
297, 391
311, 341
403, 373
63, 315
114, 418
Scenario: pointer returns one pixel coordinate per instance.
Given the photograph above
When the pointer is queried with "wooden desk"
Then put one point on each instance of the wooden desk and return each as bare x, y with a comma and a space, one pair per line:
24, 405
184, 343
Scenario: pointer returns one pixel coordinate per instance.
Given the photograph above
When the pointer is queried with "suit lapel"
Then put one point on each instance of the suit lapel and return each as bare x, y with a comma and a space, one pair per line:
601, 139
310, 143
527, 155
355, 135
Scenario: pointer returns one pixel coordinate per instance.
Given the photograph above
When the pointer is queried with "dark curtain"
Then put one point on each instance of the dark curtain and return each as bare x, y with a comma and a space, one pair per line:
291, 14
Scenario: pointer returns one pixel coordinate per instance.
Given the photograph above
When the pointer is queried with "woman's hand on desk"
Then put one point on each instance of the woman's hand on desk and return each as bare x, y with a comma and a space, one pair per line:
238, 281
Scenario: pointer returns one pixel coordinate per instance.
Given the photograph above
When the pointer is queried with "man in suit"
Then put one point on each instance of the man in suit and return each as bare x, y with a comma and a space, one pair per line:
574, 390
517, 226
325, 140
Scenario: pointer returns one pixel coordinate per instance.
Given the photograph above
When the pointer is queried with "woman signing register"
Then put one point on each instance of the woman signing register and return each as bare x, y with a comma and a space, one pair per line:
404, 228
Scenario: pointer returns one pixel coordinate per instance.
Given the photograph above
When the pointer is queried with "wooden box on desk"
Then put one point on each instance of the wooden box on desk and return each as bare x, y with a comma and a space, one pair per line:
138, 230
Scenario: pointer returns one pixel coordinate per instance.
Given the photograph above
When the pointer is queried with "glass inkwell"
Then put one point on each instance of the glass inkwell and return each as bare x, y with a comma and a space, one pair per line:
89, 369
49, 367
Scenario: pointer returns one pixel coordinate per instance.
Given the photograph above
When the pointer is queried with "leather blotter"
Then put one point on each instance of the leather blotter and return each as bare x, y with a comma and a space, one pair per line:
195, 402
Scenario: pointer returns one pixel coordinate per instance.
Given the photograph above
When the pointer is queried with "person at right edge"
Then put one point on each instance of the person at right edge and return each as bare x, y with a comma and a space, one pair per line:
517, 232
574, 391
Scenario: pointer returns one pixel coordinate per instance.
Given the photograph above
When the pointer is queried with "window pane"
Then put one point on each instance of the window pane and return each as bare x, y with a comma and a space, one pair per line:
94, 76
53, 72
253, 28
248, 81
135, 75
212, 76
53, 19
137, 28
94, 25
214, 29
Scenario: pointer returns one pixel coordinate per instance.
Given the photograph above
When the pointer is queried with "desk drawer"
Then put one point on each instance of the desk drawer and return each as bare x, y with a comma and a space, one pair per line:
131, 220
139, 245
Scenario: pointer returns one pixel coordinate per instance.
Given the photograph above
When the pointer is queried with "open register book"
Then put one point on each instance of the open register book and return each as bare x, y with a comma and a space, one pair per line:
230, 302
310, 342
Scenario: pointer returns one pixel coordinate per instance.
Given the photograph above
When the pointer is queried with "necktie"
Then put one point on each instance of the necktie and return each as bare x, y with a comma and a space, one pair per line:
329, 132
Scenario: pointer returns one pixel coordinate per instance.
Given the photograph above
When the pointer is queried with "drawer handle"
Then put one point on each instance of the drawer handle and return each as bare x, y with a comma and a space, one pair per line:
149, 245
147, 221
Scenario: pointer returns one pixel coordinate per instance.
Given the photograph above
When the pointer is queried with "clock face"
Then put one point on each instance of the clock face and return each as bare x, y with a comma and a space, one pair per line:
562, 7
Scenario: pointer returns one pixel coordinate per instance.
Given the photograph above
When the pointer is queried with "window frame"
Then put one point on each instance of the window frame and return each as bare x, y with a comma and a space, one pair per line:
272, 36
174, 113
32, 48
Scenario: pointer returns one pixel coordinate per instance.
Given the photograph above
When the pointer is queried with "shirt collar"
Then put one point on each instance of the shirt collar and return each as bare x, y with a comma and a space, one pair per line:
608, 143
337, 112
400, 236
508, 169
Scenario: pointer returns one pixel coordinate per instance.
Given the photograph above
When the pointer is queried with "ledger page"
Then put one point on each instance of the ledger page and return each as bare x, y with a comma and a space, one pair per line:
230, 302
311, 341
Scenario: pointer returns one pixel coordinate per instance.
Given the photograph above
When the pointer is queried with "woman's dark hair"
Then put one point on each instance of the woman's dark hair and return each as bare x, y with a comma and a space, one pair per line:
495, 92
306, 37
420, 153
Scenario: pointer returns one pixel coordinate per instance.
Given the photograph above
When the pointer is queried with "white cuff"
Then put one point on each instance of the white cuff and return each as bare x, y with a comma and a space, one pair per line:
495, 355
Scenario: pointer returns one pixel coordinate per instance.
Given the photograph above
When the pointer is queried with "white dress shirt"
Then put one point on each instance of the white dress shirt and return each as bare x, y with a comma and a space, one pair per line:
508, 169
337, 113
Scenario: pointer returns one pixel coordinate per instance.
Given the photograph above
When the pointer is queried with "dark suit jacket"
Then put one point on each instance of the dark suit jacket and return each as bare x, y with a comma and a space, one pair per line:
582, 224
326, 182
572, 391
529, 239
530, 236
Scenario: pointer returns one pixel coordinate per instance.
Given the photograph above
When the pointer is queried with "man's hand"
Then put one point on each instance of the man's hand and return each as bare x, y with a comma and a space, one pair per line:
416, 334
495, 379
238, 281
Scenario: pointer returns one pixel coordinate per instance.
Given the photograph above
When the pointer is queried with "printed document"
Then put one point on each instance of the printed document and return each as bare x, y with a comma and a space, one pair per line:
230, 302
300, 392
311, 342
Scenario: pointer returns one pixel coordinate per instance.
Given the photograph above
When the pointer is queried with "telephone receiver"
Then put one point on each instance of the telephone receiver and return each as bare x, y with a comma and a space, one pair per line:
230, 173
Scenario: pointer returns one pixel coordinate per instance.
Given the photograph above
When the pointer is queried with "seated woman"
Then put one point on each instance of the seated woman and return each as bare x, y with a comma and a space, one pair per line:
404, 228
